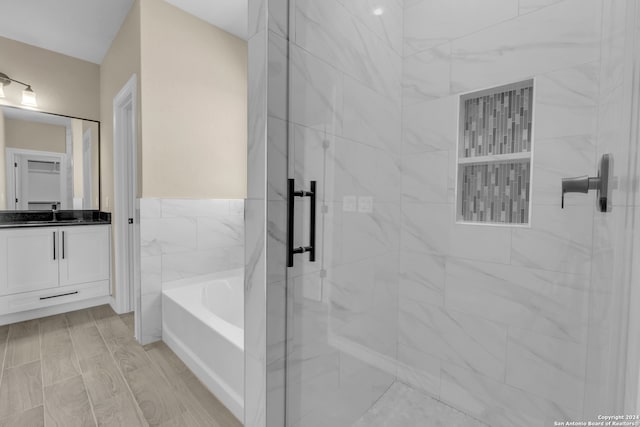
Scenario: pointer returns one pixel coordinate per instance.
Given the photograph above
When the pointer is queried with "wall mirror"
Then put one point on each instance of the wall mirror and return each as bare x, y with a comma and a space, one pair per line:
48, 161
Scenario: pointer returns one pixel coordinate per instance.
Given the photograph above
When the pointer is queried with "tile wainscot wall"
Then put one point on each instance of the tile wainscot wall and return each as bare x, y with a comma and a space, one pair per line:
183, 238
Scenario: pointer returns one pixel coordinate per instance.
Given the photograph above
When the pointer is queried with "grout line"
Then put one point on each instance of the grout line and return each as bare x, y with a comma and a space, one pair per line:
4, 355
159, 370
124, 378
440, 382
84, 384
450, 406
44, 406
511, 242
174, 390
506, 353
518, 15
41, 371
375, 402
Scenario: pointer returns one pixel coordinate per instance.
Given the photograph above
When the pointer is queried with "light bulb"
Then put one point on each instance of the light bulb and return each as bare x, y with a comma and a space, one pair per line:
378, 11
29, 97
4, 81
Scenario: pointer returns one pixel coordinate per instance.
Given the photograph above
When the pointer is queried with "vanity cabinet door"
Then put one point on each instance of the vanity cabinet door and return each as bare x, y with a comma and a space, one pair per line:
3, 262
31, 257
85, 252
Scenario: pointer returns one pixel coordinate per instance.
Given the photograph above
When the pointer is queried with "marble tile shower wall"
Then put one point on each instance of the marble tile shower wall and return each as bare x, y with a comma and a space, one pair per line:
183, 238
493, 320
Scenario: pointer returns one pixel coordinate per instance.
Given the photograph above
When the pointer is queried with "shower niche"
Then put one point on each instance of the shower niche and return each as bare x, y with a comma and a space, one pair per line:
495, 146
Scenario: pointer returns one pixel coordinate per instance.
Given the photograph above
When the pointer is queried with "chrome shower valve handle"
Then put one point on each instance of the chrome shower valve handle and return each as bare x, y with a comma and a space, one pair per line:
583, 184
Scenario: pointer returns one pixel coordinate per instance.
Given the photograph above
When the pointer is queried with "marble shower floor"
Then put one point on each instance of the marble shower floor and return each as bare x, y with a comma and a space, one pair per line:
403, 406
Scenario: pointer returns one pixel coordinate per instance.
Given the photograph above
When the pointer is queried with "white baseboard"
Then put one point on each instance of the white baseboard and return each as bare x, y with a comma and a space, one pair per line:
56, 309
116, 307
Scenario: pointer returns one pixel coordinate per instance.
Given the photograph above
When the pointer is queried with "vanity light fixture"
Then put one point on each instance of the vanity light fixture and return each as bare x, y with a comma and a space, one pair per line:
28, 95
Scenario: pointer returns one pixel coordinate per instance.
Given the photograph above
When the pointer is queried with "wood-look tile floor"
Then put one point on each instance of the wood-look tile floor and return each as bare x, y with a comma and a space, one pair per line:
85, 368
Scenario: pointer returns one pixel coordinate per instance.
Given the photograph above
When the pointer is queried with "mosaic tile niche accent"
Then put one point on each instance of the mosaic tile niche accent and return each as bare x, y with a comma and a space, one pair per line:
495, 192
494, 155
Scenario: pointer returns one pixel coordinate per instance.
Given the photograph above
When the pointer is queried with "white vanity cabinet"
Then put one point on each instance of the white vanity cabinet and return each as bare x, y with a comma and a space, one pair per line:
45, 266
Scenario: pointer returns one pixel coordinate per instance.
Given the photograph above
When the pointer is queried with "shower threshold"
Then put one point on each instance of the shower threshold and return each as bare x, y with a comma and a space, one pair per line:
403, 406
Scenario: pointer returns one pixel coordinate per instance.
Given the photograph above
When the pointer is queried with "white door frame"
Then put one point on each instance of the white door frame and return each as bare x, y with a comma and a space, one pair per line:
127, 255
631, 334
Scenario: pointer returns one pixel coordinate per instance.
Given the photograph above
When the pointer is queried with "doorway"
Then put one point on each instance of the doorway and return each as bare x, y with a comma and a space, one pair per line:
127, 231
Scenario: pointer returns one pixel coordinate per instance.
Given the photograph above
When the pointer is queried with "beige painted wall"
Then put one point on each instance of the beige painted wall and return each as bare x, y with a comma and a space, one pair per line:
120, 63
3, 183
63, 85
28, 135
194, 91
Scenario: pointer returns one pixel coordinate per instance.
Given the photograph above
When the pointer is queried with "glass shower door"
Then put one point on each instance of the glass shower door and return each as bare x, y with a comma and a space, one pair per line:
344, 132
406, 310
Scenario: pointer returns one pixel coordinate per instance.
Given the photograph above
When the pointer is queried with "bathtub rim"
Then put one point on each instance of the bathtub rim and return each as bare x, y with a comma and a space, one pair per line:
192, 280
232, 333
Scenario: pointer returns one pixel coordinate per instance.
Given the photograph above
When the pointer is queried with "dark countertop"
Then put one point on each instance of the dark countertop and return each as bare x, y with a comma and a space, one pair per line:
20, 219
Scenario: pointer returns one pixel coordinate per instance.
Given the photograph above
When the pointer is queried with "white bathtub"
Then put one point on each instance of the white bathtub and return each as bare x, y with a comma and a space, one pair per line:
203, 323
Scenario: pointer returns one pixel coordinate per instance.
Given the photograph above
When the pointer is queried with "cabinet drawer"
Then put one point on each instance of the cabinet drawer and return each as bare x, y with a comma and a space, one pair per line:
46, 298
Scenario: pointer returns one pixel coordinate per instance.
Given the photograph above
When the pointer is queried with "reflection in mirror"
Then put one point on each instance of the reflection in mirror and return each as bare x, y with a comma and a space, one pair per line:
47, 161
